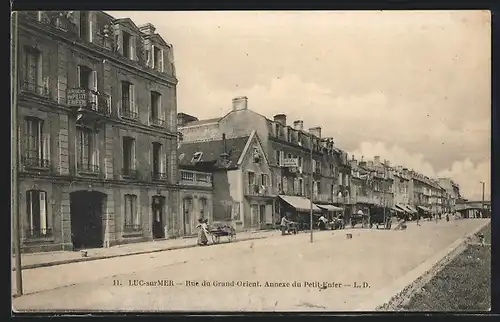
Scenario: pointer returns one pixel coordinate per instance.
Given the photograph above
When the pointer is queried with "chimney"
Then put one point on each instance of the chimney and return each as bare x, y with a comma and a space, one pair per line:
298, 125
316, 131
280, 118
240, 103
224, 146
148, 29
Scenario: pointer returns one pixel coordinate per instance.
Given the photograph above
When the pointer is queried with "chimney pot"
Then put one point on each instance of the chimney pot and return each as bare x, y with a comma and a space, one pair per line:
298, 125
280, 118
240, 103
316, 131
148, 29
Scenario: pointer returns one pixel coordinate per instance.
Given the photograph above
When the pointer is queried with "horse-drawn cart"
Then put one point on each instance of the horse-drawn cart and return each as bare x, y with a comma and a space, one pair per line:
221, 231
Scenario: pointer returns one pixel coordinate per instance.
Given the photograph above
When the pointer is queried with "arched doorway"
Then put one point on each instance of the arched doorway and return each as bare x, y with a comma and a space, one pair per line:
86, 209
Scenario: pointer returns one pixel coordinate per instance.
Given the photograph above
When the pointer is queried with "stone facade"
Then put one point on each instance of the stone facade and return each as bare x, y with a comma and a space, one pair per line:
67, 147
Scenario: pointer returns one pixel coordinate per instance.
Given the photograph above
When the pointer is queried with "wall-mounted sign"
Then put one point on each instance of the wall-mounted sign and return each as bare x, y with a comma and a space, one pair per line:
290, 163
77, 97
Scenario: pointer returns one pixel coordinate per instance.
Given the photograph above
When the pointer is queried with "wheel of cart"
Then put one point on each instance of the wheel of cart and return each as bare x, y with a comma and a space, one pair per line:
215, 238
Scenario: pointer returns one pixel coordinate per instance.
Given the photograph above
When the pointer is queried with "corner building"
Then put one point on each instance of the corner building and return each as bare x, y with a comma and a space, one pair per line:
97, 131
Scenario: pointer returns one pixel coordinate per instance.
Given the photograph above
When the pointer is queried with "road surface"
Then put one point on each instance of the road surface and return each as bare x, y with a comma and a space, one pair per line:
275, 274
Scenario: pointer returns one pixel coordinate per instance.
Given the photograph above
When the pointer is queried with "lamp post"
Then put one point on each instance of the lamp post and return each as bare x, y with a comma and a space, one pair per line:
14, 144
312, 190
482, 199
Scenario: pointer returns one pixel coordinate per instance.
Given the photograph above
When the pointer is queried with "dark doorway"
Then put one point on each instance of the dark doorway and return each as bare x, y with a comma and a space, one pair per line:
86, 219
157, 220
262, 216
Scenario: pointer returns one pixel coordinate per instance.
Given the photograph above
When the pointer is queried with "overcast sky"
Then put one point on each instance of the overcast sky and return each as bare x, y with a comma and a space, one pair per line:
411, 87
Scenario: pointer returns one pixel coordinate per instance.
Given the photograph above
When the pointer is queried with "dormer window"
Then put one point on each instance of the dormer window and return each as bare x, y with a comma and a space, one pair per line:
127, 43
197, 157
256, 156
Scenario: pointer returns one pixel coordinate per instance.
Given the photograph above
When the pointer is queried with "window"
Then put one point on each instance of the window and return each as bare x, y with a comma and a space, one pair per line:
156, 111
340, 179
128, 156
299, 162
159, 161
276, 130
87, 79
278, 183
88, 157
197, 157
33, 78
85, 25
313, 165
127, 45
128, 106
301, 187
251, 178
264, 179
289, 135
157, 59
285, 185
38, 219
37, 144
132, 220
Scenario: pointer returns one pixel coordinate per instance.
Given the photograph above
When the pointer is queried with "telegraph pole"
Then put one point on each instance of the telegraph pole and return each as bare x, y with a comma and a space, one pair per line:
312, 190
16, 238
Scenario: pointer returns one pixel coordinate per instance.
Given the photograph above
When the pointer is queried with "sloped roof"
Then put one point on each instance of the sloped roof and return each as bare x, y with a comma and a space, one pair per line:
201, 122
211, 151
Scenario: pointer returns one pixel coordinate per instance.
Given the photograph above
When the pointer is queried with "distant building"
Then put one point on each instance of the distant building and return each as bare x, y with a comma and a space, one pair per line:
453, 191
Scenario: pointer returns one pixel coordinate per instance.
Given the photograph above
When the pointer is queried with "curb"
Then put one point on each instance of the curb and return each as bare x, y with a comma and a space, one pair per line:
388, 294
89, 259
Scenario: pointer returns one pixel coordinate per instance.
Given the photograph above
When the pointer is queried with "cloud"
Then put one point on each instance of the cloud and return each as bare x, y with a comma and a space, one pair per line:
415, 85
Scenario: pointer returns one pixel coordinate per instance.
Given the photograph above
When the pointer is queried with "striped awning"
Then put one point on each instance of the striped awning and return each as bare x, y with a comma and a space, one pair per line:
402, 208
424, 208
300, 204
330, 207
411, 209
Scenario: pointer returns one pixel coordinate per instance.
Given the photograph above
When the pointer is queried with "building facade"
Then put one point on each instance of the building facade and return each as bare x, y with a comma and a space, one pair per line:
316, 161
97, 131
453, 192
243, 193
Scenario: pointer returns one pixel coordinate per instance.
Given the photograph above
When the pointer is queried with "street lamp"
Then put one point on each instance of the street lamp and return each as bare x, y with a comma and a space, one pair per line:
312, 190
482, 199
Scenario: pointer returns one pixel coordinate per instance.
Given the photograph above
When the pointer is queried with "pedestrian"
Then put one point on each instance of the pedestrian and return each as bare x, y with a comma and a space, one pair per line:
202, 232
284, 224
447, 217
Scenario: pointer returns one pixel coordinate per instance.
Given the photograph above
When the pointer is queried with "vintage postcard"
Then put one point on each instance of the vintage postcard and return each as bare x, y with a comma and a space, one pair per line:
251, 161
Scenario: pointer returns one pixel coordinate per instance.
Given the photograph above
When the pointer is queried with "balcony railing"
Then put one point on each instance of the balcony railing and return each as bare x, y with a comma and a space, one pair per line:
156, 122
189, 177
87, 168
90, 100
126, 112
39, 233
132, 228
258, 190
34, 88
35, 163
129, 173
156, 175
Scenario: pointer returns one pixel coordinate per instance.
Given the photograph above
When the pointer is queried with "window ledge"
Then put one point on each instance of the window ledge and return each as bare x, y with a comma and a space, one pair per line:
37, 240
133, 234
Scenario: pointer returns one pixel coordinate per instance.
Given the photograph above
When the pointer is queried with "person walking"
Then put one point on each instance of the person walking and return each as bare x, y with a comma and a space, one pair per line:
202, 232
284, 224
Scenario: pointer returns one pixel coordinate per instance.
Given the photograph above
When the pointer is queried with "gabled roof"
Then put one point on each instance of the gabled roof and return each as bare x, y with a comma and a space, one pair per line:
212, 151
157, 38
127, 22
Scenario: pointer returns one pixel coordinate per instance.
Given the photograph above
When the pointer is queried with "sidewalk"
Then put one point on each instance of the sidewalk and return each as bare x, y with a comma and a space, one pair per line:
36, 260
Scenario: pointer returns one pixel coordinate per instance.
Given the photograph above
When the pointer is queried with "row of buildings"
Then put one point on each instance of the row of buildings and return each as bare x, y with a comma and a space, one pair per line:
103, 158
265, 168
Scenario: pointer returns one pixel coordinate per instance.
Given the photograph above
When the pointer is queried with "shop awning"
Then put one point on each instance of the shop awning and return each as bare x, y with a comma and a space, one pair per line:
402, 208
424, 208
330, 207
300, 203
395, 209
411, 209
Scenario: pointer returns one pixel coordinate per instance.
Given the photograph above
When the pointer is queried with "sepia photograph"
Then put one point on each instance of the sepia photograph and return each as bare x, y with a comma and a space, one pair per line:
251, 161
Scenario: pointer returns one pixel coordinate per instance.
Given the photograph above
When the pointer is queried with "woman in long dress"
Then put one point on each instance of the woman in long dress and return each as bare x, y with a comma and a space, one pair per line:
202, 232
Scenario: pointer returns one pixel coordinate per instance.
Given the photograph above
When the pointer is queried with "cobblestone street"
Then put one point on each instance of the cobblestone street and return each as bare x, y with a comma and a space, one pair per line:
377, 258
